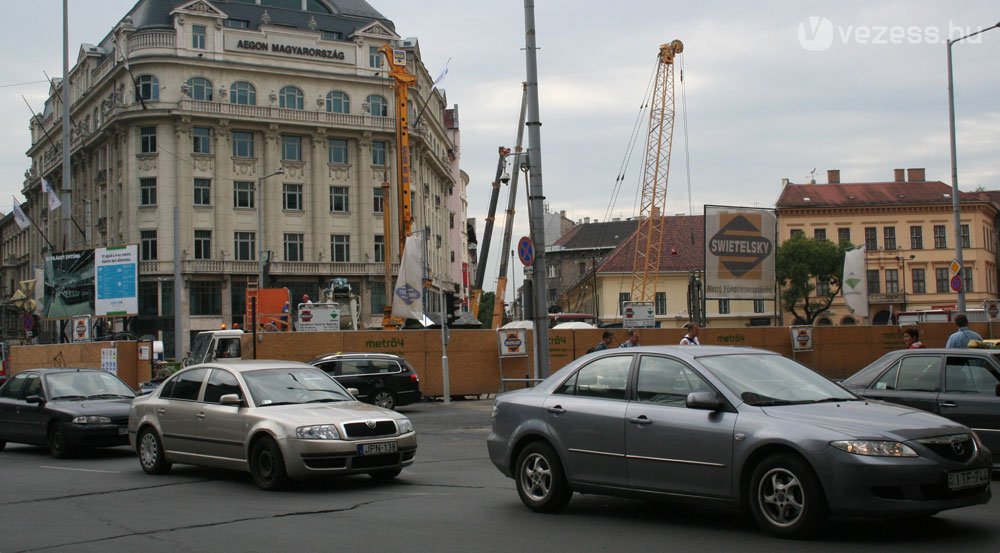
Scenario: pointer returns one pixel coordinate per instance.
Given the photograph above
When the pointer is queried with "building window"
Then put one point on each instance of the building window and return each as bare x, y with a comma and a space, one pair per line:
332, 35
823, 289
147, 191
378, 205
291, 197
758, 305
291, 97
338, 199
622, 298
374, 57
819, 234
244, 246
798, 233
966, 242
941, 280
940, 243
236, 23
340, 248
294, 247
202, 191
916, 238
147, 243
243, 144
660, 305
199, 88
377, 106
453, 256
889, 238
379, 248
871, 240
243, 93
243, 194
198, 33
451, 220
874, 283
205, 297
378, 152
338, 150
147, 87
724, 308
917, 278
892, 281
967, 279
203, 244
201, 140
147, 140
844, 235
338, 102
291, 148
553, 271
377, 300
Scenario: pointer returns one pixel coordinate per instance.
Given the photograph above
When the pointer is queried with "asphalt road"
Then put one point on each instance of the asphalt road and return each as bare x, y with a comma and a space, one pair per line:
451, 499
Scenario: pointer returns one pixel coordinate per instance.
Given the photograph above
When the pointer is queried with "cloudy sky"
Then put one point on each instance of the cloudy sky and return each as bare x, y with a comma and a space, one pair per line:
774, 89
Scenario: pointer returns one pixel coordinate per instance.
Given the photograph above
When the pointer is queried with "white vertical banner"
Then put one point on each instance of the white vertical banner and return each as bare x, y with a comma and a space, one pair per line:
407, 296
854, 287
54, 201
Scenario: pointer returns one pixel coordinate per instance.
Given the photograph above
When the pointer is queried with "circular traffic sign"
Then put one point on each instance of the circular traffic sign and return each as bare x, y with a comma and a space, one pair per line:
993, 310
956, 283
526, 251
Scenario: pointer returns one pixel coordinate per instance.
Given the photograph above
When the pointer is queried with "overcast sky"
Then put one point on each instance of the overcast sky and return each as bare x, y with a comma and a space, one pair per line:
773, 89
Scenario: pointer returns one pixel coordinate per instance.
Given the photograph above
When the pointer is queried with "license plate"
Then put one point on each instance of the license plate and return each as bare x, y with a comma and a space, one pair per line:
122, 430
377, 448
968, 479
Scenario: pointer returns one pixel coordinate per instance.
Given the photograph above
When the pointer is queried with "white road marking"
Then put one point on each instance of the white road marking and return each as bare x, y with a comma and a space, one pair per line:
81, 470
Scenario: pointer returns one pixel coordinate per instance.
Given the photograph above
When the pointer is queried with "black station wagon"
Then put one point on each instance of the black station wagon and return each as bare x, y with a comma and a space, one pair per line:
381, 379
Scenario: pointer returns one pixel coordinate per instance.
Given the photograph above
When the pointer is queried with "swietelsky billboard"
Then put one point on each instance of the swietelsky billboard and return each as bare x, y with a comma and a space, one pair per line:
739, 253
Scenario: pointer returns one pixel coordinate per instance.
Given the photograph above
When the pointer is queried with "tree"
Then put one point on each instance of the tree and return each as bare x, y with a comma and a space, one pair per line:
486, 309
802, 264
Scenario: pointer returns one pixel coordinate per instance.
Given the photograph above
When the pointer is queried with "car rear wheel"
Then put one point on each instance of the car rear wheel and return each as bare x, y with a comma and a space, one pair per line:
541, 483
384, 398
58, 442
3, 444
384, 475
150, 450
786, 498
267, 466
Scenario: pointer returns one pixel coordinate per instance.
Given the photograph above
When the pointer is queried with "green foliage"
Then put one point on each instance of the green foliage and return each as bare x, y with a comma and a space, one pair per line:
486, 309
803, 262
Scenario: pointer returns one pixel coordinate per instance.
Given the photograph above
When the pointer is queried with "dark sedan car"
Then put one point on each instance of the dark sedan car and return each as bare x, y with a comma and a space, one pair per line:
381, 379
65, 409
961, 384
734, 425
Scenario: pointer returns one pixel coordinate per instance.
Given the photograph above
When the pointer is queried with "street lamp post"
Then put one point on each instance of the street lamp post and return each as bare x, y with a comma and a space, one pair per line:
260, 225
903, 259
954, 164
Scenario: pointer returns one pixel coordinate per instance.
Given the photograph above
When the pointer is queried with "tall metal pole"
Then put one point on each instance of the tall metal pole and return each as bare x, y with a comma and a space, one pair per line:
445, 377
179, 347
261, 248
66, 183
536, 197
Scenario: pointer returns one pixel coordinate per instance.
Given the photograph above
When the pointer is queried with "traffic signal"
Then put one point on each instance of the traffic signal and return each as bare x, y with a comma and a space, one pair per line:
453, 307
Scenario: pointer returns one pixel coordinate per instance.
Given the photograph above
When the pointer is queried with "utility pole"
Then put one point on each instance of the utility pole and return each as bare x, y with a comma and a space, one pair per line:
536, 198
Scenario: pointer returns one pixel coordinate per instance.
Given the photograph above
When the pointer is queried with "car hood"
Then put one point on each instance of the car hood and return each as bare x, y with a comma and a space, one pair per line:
867, 419
324, 413
107, 407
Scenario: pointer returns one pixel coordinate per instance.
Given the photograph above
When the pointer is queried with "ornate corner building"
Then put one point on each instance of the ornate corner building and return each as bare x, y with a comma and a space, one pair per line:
213, 110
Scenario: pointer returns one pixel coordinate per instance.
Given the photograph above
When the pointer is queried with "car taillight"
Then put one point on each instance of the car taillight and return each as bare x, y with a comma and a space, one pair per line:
414, 377
3, 368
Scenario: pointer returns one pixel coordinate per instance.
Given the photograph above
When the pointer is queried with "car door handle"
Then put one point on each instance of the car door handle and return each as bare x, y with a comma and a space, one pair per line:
161, 411
557, 410
200, 415
641, 419
947, 404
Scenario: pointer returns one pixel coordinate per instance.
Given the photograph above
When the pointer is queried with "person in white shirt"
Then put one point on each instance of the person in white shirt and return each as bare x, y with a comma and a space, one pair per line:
691, 336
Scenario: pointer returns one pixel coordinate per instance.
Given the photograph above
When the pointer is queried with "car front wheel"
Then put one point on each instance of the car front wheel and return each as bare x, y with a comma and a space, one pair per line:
384, 398
786, 498
150, 451
541, 483
58, 442
3, 444
267, 466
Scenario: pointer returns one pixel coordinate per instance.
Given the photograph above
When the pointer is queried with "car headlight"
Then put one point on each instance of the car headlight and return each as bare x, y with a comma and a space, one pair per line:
91, 419
317, 432
404, 426
875, 448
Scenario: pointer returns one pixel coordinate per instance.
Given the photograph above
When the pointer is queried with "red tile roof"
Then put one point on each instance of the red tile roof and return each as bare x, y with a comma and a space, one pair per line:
682, 234
868, 194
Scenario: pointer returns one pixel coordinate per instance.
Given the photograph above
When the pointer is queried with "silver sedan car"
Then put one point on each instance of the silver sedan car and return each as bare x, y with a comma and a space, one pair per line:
278, 420
734, 425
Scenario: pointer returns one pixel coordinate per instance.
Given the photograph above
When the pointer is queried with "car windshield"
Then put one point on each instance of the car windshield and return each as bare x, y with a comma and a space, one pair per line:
760, 379
293, 385
89, 384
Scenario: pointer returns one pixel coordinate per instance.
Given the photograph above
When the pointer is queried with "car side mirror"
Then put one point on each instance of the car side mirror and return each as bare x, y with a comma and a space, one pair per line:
709, 401
354, 391
35, 399
231, 399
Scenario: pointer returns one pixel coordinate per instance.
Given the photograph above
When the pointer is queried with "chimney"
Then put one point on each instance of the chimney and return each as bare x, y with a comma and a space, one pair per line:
586, 220
784, 182
562, 213
899, 175
916, 175
833, 176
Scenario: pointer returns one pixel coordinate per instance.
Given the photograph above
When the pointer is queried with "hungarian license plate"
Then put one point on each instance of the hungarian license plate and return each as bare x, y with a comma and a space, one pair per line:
968, 479
122, 430
377, 448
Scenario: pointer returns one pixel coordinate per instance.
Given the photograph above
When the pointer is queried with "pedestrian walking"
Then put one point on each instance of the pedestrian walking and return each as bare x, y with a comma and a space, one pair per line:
633, 339
605, 342
911, 337
961, 337
691, 336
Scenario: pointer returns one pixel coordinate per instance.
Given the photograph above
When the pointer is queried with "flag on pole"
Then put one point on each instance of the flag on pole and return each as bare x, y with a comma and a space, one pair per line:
855, 283
407, 296
121, 50
19, 217
54, 201
444, 73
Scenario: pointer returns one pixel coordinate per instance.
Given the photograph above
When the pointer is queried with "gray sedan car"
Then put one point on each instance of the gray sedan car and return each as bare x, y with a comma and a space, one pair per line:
278, 420
734, 425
